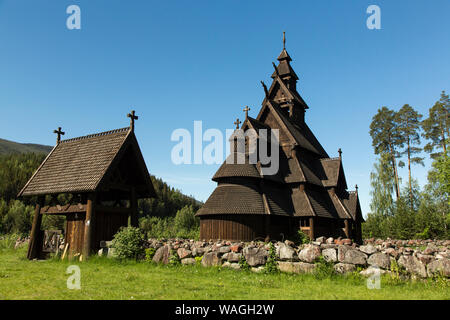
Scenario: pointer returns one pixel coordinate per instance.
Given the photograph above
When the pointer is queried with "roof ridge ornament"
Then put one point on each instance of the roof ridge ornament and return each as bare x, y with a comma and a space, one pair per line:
340, 153
132, 117
58, 133
237, 123
265, 89
246, 110
284, 40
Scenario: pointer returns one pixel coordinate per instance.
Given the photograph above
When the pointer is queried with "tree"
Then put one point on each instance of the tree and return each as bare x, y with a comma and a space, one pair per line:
386, 138
382, 183
436, 126
408, 121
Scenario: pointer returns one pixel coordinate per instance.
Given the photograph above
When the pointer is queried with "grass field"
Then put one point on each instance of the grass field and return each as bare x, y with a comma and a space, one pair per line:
103, 278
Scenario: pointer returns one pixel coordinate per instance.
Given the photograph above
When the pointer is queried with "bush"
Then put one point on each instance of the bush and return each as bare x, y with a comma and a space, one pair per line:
149, 253
299, 237
128, 243
184, 225
324, 269
271, 265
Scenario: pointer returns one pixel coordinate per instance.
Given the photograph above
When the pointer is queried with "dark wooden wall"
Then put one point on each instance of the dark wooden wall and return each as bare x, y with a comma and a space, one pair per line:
75, 232
232, 227
106, 226
243, 227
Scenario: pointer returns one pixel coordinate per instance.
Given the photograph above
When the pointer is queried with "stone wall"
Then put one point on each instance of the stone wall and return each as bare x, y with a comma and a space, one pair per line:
415, 258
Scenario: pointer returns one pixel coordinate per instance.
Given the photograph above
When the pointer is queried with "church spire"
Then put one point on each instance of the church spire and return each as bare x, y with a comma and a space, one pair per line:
285, 71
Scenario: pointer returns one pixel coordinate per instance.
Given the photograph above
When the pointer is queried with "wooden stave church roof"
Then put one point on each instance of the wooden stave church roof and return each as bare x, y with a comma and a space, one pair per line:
315, 167
80, 165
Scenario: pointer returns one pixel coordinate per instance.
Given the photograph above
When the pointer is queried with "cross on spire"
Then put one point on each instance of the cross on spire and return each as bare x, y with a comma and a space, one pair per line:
58, 134
246, 110
284, 40
132, 117
237, 123
340, 152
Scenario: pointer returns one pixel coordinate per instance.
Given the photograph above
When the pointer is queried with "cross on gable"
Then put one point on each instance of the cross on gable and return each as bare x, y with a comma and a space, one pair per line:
246, 110
237, 123
132, 117
58, 133
340, 152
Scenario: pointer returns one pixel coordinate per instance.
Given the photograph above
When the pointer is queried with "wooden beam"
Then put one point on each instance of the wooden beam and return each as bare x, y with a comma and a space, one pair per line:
134, 219
347, 229
33, 247
55, 210
88, 225
311, 228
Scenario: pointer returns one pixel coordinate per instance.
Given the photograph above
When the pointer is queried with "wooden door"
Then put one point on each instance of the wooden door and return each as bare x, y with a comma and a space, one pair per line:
75, 232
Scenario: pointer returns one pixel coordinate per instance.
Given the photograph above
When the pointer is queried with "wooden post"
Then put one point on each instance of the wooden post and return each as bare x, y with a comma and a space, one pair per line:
311, 228
88, 225
134, 219
347, 232
33, 247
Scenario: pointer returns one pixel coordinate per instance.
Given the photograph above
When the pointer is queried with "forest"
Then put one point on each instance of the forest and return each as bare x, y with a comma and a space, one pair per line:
405, 210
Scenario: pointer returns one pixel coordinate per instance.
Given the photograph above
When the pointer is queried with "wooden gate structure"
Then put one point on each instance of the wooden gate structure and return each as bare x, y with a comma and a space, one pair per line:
103, 175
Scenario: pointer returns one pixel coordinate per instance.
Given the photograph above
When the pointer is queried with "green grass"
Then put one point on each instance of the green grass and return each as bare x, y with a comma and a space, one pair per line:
109, 279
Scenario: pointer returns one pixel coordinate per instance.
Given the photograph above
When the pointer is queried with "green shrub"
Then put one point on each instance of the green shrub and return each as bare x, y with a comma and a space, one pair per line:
8, 241
324, 269
149, 253
299, 237
128, 243
271, 265
243, 263
198, 259
174, 259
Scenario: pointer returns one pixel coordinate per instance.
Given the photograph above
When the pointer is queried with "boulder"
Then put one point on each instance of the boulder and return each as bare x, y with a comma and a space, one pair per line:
413, 265
255, 256
341, 252
184, 253
330, 240
321, 240
380, 260
211, 259
309, 254
285, 252
355, 256
296, 267
236, 248
371, 271
329, 255
439, 267
233, 257
227, 264
198, 252
344, 267
162, 254
188, 261
369, 249
425, 258
392, 252
224, 249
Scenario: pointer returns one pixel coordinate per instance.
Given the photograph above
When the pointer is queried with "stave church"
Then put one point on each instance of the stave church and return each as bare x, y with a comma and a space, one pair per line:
309, 191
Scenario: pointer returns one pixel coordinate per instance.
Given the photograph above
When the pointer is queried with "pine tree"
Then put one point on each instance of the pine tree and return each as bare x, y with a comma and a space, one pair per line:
382, 183
408, 121
436, 126
386, 138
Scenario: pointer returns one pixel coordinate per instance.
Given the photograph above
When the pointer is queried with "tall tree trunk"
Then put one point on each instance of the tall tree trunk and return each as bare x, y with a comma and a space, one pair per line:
409, 173
394, 167
444, 146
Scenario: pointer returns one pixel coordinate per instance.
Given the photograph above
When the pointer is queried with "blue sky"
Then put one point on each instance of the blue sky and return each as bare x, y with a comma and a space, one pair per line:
179, 61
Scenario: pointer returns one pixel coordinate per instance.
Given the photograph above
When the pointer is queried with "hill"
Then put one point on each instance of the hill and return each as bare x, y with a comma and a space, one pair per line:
8, 147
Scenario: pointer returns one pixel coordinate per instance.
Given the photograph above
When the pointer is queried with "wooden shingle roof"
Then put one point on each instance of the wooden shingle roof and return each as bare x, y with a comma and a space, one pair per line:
79, 165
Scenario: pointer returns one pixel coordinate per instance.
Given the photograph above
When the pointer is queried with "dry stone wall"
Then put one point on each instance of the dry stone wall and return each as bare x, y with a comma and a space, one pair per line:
416, 258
